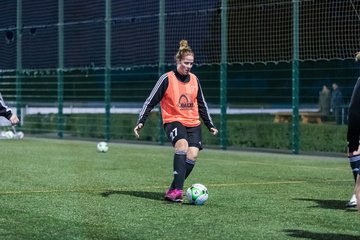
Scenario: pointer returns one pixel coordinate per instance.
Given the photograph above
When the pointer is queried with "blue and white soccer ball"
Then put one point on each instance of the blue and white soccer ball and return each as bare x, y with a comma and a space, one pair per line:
102, 147
9, 135
197, 194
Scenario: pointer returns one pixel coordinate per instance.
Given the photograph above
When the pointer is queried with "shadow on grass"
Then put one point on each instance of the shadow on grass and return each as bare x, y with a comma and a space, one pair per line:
159, 196
327, 204
319, 236
141, 194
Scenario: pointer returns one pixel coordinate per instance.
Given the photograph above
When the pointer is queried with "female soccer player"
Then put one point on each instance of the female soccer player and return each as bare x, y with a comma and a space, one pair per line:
353, 136
182, 104
7, 113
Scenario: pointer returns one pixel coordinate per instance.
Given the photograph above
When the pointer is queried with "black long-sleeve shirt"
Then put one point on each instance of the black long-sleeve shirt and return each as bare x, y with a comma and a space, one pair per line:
353, 133
158, 93
5, 111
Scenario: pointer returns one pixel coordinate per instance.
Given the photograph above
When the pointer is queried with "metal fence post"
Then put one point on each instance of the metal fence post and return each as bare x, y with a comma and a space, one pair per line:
19, 26
107, 90
223, 75
295, 79
60, 71
161, 58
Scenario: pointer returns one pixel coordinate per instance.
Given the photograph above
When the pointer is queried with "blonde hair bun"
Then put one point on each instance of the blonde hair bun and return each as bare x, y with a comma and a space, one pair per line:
184, 50
184, 45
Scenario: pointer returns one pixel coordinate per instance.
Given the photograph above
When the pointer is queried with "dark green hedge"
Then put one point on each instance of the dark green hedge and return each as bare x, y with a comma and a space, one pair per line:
242, 131
313, 137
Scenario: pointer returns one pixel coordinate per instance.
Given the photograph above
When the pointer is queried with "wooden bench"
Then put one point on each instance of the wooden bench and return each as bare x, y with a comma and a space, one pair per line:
306, 117
283, 117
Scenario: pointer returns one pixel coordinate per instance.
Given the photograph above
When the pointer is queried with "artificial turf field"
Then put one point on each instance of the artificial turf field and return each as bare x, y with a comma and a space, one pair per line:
60, 189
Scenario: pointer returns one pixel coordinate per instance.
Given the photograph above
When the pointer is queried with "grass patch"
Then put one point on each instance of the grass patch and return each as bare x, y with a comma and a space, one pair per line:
57, 189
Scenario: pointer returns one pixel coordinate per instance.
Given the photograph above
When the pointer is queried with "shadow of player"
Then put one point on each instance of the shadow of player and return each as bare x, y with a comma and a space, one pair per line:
141, 194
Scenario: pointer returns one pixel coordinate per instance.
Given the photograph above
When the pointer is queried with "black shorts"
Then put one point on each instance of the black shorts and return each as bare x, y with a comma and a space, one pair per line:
175, 131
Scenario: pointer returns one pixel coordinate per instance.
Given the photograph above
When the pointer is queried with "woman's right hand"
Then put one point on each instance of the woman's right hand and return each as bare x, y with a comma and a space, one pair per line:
354, 153
14, 119
137, 129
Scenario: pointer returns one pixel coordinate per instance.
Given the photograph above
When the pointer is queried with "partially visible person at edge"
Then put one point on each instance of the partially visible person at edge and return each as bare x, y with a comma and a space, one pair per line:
336, 102
6, 112
324, 103
182, 104
353, 136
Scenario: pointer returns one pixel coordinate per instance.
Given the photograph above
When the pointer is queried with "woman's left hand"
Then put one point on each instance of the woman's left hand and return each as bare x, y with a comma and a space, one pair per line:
214, 131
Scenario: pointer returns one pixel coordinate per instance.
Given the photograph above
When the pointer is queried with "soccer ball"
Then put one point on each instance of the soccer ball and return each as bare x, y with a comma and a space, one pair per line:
102, 147
20, 135
9, 134
197, 194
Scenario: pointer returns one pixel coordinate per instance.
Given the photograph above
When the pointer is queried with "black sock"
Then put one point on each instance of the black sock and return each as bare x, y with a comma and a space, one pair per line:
189, 167
355, 165
179, 170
